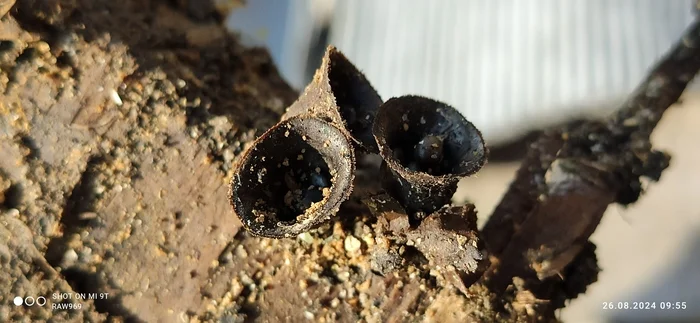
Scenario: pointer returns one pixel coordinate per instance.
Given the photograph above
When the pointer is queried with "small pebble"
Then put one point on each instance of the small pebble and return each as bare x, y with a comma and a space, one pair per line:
12, 213
42, 47
228, 155
241, 252
69, 258
87, 215
308, 315
352, 244
306, 238
115, 97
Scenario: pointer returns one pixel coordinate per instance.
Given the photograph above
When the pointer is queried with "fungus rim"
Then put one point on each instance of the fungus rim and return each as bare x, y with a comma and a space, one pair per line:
339, 189
409, 102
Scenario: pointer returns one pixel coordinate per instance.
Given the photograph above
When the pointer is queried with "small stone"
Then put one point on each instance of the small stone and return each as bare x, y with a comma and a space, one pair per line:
344, 276
227, 258
42, 47
308, 315
306, 238
398, 222
352, 244
241, 252
12, 213
115, 97
228, 155
86, 254
5, 255
69, 258
194, 133
48, 226
448, 238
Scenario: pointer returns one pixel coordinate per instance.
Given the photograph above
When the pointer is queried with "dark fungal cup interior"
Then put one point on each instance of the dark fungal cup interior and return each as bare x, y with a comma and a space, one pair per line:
294, 177
424, 135
356, 99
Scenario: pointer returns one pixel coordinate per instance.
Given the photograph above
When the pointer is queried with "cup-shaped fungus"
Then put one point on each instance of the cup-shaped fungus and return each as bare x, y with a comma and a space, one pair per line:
427, 147
293, 178
340, 93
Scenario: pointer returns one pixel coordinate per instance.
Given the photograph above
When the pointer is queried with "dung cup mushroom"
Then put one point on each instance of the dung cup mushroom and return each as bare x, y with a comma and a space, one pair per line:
427, 147
293, 178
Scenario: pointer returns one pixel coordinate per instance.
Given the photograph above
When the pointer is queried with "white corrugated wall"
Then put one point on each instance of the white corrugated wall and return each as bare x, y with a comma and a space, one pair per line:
509, 65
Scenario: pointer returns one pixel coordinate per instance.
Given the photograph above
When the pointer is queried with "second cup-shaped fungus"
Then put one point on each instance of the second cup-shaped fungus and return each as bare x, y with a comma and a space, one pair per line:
427, 147
294, 177
340, 93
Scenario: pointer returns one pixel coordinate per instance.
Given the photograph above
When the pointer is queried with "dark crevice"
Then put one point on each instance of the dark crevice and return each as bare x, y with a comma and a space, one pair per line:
250, 312
80, 201
348, 222
13, 196
27, 55
328, 273
83, 196
30, 144
226, 255
6, 45
415, 257
66, 59
86, 282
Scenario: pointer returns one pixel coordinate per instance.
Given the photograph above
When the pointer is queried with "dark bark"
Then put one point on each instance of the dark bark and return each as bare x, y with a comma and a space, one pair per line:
571, 175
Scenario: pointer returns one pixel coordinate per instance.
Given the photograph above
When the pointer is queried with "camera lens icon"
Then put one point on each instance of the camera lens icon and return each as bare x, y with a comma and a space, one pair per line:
29, 301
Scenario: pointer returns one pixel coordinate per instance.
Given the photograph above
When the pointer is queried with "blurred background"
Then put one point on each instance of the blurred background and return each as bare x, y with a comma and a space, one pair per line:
513, 67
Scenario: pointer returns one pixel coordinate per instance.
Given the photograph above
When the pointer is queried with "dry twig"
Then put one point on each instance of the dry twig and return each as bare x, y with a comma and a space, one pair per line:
571, 175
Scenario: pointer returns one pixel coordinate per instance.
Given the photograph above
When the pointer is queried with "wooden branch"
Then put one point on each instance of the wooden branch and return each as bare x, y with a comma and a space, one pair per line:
571, 175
